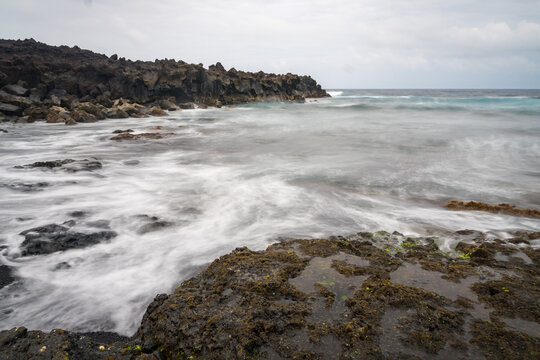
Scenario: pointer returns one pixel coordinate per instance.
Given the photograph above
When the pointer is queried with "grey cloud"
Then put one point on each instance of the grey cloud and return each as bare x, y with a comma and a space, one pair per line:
342, 43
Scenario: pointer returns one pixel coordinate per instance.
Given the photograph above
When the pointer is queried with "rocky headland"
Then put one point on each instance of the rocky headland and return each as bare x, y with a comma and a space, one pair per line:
60, 84
362, 296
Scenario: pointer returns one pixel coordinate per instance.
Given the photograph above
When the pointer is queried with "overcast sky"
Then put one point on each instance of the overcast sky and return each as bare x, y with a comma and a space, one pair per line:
341, 43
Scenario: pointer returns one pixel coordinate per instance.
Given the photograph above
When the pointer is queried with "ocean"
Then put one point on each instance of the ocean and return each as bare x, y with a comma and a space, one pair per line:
250, 175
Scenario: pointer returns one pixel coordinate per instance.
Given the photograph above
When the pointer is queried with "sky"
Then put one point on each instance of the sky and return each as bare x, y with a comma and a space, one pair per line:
368, 44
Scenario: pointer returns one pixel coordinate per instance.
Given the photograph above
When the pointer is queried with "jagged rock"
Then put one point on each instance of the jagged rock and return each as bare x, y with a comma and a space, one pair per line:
19, 344
52, 238
67, 77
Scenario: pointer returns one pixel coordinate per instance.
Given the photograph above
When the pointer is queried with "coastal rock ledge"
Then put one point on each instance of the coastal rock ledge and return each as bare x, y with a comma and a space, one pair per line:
71, 85
363, 296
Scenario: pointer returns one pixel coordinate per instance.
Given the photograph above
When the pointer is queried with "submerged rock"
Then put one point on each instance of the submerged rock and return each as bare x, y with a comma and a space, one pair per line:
68, 165
6, 276
26, 187
499, 209
131, 136
52, 237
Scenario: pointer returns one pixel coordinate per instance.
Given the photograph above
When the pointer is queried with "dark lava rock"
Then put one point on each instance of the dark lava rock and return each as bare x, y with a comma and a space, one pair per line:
68, 165
21, 344
4, 131
51, 238
48, 164
6, 276
340, 299
363, 296
81, 80
122, 131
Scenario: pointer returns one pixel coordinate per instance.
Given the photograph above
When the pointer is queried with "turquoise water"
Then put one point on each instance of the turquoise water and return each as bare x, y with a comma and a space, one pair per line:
363, 160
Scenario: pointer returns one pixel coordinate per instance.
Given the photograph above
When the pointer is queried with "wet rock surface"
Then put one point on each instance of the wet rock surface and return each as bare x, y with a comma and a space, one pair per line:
72, 86
498, 209
53, 237
20, 344
363, 296
6, 276
68, 165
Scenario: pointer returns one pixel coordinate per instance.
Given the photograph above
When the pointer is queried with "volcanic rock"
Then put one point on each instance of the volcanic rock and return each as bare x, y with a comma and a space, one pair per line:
52, 237
77, 79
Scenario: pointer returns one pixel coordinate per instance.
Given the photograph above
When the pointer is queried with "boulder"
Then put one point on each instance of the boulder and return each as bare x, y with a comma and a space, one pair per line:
37, 112
98, 111
155, 111
188, 105
20, 101
10, 109
167, 105
81, 116
16, 90
52, 238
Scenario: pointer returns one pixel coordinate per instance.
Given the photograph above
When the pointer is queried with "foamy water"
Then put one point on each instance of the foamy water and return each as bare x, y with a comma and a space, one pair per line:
246, 176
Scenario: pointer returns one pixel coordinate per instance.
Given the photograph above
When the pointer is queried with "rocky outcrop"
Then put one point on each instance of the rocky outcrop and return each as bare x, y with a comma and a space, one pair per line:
363, 296
53, 237
68, 165
71, 85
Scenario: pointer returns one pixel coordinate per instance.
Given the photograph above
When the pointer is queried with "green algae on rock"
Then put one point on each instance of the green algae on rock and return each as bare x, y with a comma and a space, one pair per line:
367, 295
499, 209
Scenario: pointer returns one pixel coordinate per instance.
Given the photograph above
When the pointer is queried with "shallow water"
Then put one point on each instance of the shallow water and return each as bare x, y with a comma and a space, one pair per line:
245, 176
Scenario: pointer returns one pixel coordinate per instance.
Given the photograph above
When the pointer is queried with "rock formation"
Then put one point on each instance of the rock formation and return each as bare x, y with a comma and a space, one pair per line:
71, 85
362, 296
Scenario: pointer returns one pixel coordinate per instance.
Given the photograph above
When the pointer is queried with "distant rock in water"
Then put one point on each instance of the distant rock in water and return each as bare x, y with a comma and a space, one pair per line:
6, 276
68, 165
498, 209
71, 85
52, 237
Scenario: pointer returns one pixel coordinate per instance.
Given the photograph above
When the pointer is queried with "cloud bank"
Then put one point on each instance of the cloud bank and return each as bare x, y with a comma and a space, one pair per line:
341, 43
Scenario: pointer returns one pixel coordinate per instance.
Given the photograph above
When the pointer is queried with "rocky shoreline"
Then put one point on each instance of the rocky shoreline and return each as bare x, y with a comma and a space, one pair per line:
366, 295
71, 85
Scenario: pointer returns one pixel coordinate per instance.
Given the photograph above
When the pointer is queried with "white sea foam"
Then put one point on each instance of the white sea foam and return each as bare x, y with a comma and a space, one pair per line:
242, 176
335, 93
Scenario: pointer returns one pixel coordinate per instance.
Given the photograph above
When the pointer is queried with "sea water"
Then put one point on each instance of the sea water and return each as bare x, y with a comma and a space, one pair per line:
249, 175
